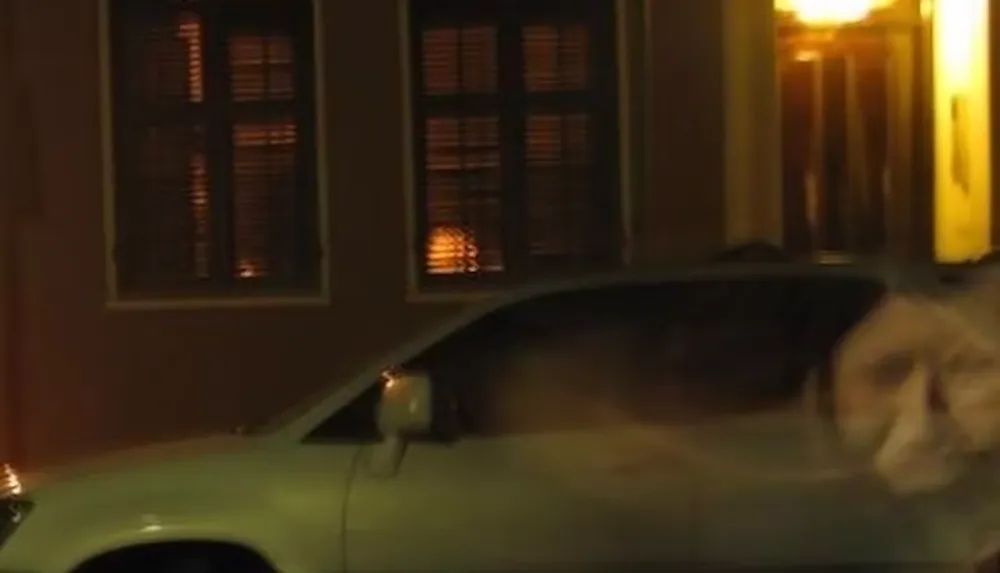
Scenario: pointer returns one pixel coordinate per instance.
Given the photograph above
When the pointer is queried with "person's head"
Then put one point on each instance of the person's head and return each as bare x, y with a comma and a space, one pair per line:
917, 386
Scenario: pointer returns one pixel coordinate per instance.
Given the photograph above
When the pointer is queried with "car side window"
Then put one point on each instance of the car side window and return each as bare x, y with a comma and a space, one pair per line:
354, 423
663, 353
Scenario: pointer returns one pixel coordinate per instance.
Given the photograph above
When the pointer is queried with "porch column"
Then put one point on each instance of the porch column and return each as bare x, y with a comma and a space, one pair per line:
753, 192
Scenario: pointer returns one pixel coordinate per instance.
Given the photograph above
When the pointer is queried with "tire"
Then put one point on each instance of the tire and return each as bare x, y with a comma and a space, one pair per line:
206, 563
207, 559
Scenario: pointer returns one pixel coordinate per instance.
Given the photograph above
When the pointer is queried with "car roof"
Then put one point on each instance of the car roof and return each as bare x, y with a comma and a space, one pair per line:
891, 274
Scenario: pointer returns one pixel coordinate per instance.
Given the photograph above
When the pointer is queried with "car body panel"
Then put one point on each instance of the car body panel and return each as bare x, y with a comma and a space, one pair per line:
283, 502
773, 495
528, 500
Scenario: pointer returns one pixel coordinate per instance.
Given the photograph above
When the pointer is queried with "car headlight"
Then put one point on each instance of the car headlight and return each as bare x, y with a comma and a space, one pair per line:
13, 507
10, 482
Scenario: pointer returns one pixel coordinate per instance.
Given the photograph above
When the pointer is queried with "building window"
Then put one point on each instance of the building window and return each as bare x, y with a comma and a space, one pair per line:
515, 138
214, 148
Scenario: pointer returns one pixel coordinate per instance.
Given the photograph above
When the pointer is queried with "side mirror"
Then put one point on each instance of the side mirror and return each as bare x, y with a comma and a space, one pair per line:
404, 410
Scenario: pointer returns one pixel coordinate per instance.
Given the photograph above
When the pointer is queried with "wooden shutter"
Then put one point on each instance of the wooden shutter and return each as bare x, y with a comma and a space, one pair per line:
516, 115
462, 155
558, 153
265, 139
163, 229
216, 185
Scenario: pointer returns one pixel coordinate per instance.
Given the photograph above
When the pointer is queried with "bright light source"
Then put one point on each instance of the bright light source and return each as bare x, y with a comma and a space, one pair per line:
963, 165
10, 483
958, 24
829, 12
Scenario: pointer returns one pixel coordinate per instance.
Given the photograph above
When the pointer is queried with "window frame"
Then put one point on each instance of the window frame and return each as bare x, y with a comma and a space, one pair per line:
629, 56
117, 298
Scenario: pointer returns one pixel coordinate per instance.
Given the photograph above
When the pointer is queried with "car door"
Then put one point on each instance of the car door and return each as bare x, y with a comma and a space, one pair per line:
544, 468
775, 490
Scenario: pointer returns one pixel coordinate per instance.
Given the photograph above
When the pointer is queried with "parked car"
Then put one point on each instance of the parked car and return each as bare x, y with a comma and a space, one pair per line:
609, 423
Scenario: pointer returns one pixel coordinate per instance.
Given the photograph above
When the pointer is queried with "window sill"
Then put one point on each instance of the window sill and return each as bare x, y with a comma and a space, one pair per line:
209, 303
446, 296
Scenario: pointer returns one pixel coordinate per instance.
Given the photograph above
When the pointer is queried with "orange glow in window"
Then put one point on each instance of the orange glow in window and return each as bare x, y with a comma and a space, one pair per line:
451, 250
189, 30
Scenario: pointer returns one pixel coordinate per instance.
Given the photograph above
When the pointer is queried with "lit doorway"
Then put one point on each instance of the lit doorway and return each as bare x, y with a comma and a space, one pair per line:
963, 196
855, 111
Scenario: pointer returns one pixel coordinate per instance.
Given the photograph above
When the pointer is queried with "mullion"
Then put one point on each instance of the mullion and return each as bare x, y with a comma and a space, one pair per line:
219, 143
416, 90
463, 174
604, 106
565, 170
598, 102
471, 105
512, 129
308, 246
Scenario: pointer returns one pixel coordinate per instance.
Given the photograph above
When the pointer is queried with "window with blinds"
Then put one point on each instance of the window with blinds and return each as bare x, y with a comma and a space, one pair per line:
516, 138
213, 110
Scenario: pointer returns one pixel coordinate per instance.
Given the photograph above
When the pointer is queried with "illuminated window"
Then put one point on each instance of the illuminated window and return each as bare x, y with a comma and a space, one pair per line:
215, 182
515, 126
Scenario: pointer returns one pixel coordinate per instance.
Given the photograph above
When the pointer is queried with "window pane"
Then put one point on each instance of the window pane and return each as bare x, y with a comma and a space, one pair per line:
459, 60
676, 353
464, 211
559, 185
264, 181
261, 67
166, 236
555, 58
164, 57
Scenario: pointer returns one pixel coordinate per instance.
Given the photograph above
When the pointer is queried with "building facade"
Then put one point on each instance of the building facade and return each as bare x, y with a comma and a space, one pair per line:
213, 207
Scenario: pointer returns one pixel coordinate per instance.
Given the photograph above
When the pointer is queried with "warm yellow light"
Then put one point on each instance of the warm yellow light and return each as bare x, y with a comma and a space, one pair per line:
10, 483
451, 251
957, 24
963, 169
829, 12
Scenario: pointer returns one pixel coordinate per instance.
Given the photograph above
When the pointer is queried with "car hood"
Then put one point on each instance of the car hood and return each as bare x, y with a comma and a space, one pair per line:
134, 458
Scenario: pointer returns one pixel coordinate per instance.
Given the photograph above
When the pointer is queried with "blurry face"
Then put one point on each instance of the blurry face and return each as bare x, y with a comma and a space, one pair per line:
918, 389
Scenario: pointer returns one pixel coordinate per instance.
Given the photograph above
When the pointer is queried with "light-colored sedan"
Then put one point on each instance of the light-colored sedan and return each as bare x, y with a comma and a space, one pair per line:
619, 423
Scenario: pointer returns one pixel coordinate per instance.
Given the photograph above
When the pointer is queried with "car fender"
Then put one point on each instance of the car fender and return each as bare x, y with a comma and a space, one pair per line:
60, 541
